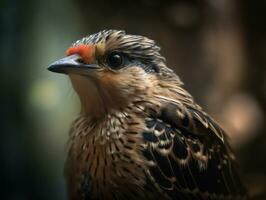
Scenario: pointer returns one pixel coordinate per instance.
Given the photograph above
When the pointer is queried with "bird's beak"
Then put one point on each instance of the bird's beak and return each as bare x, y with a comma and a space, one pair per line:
70, 64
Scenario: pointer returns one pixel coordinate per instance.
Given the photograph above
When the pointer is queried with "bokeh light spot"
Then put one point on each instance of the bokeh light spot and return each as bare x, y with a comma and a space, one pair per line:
44, 94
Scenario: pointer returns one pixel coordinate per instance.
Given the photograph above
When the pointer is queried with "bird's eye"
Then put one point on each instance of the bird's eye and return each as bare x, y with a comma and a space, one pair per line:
115, 60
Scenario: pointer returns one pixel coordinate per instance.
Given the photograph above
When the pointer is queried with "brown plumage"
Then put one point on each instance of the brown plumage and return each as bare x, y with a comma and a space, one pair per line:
139, 134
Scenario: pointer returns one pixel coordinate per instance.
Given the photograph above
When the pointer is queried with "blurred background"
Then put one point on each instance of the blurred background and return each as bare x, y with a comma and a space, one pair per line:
217, 47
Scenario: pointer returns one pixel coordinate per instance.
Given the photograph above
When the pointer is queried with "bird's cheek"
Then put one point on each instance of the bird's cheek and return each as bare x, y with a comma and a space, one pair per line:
113, 82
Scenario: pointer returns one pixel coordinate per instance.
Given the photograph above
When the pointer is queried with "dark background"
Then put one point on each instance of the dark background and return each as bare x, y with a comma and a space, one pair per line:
217, 47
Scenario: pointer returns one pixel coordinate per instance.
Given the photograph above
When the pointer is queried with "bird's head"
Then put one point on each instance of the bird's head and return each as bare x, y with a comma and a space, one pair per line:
110, 69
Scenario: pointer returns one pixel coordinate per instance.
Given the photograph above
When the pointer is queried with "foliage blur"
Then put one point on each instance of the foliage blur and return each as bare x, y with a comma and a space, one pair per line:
218, 48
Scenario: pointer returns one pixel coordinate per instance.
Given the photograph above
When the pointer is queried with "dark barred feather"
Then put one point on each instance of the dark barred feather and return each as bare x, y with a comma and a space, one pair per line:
191, 160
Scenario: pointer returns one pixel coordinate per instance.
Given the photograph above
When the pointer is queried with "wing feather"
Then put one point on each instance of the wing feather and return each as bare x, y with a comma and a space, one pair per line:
192, 159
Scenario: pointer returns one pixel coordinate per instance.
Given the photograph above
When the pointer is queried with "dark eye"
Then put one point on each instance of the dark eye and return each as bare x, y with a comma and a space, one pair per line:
115, 60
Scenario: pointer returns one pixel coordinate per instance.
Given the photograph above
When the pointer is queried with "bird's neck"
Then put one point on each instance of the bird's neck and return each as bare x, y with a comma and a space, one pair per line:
97, 102
100, 99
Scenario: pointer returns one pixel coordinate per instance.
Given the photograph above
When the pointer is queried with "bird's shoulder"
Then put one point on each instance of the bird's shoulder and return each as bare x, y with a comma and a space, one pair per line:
190, 153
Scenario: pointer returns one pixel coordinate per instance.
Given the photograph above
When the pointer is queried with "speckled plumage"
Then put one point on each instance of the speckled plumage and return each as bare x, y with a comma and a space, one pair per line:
140, 135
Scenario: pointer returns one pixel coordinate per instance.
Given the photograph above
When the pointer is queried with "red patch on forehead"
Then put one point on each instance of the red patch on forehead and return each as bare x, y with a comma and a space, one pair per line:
86, 52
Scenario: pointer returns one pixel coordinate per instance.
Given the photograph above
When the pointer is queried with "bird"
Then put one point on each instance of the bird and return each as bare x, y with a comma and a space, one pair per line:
139, 133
